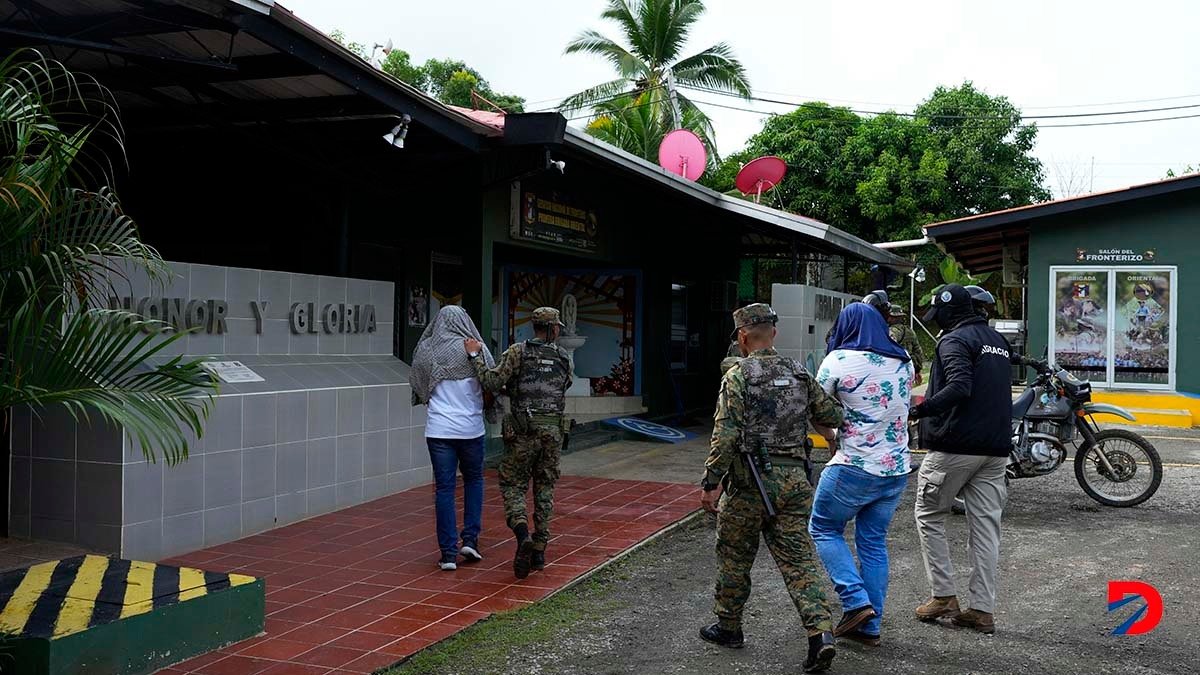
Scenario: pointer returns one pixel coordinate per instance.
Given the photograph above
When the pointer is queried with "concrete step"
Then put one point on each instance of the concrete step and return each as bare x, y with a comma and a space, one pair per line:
1165, 408
1156, 417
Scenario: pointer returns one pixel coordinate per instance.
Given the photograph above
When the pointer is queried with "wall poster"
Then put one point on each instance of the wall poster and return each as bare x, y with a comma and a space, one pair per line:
1142, 339
1080, 322
418, 307
1115, 325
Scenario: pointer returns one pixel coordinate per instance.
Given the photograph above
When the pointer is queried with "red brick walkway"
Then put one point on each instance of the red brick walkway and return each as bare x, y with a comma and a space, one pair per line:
359, 589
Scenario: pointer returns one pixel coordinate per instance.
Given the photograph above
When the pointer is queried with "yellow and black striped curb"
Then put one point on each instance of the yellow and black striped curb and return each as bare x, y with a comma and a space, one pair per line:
63, 597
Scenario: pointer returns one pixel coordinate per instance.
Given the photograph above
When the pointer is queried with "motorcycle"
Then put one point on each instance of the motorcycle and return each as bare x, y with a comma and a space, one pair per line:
1115, 467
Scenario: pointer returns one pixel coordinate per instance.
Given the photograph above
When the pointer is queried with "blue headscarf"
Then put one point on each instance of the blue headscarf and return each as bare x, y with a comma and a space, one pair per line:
861, 327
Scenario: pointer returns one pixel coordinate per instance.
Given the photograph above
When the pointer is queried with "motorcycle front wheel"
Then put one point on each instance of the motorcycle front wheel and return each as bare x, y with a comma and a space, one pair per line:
1136, 468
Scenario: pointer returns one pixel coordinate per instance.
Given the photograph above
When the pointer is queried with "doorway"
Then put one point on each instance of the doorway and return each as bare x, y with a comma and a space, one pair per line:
1115, 325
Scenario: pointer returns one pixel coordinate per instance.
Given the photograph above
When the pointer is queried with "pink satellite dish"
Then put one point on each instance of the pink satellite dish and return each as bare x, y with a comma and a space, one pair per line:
760, 175
682, 153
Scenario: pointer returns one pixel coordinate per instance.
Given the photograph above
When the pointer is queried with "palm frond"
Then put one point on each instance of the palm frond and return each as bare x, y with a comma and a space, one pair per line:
94, 362
626, 16
714, 68
629, 65
594, 96
672, 25
64, 240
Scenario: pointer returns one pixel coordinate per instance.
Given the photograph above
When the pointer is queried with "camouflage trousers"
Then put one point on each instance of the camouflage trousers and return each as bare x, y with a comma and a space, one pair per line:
530, 457
740, 521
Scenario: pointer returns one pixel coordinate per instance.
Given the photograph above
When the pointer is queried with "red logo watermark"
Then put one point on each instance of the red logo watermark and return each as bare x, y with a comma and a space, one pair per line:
1144, 620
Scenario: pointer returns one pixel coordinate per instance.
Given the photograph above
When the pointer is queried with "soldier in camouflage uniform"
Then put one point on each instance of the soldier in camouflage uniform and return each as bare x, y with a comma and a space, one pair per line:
536, 374
734, 349
764, 407
904, 336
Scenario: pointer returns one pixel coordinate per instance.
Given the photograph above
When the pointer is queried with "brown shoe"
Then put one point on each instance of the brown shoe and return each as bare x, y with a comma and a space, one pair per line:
976, 620
862, 638
936, 608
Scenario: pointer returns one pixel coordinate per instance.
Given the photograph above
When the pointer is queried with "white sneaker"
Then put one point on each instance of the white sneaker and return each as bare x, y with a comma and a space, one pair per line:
447, 565
470, 554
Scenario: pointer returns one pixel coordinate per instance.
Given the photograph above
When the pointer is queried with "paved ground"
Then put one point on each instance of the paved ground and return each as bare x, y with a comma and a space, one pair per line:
1060, 549
20, 553
359, 589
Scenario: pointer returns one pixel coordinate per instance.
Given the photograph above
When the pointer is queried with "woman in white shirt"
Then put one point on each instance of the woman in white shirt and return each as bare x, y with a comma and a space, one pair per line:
443, 378
872, 377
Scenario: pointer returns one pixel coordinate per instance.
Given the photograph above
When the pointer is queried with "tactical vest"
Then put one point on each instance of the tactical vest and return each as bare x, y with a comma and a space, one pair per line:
543, 379
776, 400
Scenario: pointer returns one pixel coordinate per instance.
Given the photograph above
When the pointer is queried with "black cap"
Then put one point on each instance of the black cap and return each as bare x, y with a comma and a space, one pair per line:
950, 295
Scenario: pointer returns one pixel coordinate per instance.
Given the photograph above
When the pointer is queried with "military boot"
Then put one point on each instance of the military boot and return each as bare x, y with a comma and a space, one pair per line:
937, 607
537, 561
524, 555
820, 653
723, 636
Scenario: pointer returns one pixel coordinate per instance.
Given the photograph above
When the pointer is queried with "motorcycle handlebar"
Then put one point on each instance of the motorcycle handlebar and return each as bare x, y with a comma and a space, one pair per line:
1041, 367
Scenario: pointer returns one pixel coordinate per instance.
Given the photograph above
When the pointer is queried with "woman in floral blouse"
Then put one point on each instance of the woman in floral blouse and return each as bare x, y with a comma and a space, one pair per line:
871, 376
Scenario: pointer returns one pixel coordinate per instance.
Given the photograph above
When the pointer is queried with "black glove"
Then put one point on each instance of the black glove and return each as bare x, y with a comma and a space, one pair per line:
916, 412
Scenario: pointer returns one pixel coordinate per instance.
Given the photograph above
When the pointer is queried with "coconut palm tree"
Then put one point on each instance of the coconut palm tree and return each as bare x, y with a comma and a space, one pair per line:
64, 245
654, 35
637, 125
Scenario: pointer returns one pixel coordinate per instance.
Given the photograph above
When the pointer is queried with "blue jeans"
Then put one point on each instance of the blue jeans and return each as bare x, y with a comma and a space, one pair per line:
449, 455
848, 493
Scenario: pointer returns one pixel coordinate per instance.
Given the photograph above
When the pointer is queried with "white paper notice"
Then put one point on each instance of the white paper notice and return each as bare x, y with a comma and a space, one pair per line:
232, 371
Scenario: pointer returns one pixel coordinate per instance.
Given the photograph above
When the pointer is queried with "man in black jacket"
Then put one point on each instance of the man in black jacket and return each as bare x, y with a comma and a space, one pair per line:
966, 425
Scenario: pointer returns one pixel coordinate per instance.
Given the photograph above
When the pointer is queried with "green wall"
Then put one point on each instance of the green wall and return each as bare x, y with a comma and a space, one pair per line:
1166, 224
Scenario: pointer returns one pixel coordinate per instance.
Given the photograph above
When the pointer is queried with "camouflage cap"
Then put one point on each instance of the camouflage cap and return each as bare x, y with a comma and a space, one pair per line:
750, 315
897, 310
546, 315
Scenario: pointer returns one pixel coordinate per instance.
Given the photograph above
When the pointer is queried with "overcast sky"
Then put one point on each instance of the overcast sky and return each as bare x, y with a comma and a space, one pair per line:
869, 54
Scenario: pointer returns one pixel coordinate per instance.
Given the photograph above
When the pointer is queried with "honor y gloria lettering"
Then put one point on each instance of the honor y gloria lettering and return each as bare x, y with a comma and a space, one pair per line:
209, 315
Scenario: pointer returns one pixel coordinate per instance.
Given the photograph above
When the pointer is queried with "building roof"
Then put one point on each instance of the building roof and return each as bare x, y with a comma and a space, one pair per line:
830, 238
978, 241
248, 62
1059, 206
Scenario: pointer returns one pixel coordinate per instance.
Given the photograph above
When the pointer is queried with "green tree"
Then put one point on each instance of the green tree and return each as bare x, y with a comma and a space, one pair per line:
458, 89
883, 177
989, 152
448, 80
358, 48
398, 64
66, 244
654, 34
810, 140
952, 272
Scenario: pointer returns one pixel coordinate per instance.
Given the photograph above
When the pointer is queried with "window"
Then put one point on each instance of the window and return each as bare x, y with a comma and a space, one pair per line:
679, 331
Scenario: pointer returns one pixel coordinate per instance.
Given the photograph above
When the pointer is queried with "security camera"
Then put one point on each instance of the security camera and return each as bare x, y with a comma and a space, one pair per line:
558, 164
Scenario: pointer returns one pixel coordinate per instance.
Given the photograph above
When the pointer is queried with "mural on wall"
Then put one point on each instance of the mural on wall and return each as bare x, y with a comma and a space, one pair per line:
1081, 322
605, 314
1142, 330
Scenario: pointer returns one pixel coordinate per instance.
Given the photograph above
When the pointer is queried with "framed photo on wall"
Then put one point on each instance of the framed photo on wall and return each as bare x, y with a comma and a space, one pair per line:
418, 307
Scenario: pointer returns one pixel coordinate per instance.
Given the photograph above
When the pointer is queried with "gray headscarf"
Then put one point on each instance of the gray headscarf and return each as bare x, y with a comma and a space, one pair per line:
440, 355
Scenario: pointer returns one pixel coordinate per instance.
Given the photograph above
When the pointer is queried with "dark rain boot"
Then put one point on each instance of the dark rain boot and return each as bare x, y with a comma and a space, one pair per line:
524, 555
820, 653
537, 561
